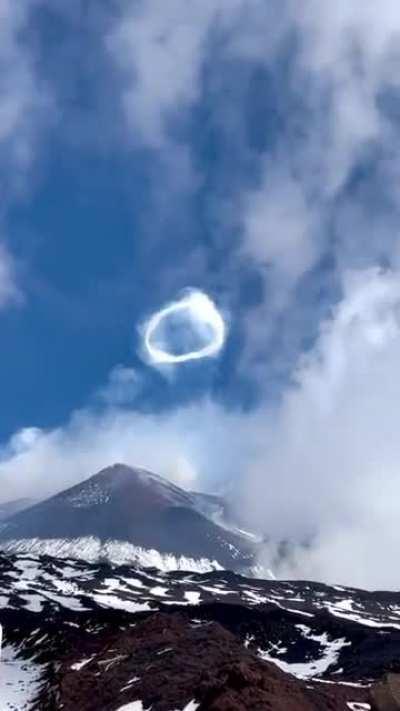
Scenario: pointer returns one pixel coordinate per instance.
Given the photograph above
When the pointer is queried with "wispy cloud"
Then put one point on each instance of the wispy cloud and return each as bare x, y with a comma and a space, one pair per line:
172, 443
9, 288
292, 202
26, 108
122, 388
25, 98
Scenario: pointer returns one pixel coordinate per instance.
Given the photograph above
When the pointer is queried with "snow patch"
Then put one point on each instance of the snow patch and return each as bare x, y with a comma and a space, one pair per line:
19, 681
315, 667
192, 597
79, 665
130, 682
118, 603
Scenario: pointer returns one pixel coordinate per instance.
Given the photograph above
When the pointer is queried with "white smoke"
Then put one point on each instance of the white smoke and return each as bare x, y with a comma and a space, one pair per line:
326, 472
193, 318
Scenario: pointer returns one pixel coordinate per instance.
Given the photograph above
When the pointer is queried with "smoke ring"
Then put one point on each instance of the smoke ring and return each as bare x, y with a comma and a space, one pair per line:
203, 312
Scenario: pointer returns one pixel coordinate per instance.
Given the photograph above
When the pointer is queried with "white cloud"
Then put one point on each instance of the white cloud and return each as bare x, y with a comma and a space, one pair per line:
9, 290
36, 462
279, 225
123, 385
328, 472
350, 54
24, 98
25, 108
161, 49
347, 59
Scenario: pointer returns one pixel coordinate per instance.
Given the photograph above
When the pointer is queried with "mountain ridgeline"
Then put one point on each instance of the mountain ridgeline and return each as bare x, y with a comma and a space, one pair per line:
124, 513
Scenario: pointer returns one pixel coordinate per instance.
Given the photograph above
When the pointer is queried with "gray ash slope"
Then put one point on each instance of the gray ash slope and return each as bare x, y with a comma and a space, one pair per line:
131, 506
118, 634
10, 508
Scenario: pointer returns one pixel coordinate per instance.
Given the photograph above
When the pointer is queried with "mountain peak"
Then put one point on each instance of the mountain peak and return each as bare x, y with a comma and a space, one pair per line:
130, 505
142, 487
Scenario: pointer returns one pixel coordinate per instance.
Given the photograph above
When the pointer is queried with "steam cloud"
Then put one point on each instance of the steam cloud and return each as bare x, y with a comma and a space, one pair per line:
194, 318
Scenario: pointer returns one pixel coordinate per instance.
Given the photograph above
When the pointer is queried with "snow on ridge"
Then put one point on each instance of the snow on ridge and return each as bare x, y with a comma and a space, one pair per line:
92, 549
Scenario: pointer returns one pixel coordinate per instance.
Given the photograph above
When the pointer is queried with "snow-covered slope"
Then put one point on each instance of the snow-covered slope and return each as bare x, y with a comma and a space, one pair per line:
92, 549
79, 620
30, 582
130, 515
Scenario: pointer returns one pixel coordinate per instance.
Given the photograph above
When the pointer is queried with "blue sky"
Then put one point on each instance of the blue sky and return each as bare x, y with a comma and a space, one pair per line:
239, 147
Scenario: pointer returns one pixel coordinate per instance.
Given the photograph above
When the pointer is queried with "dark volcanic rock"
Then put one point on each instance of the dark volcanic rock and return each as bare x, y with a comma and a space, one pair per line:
134, 506
166, 661
386, 694
9, 508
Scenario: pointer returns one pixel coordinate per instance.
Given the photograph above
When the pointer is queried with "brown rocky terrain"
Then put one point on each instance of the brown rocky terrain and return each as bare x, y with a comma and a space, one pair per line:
166, 661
